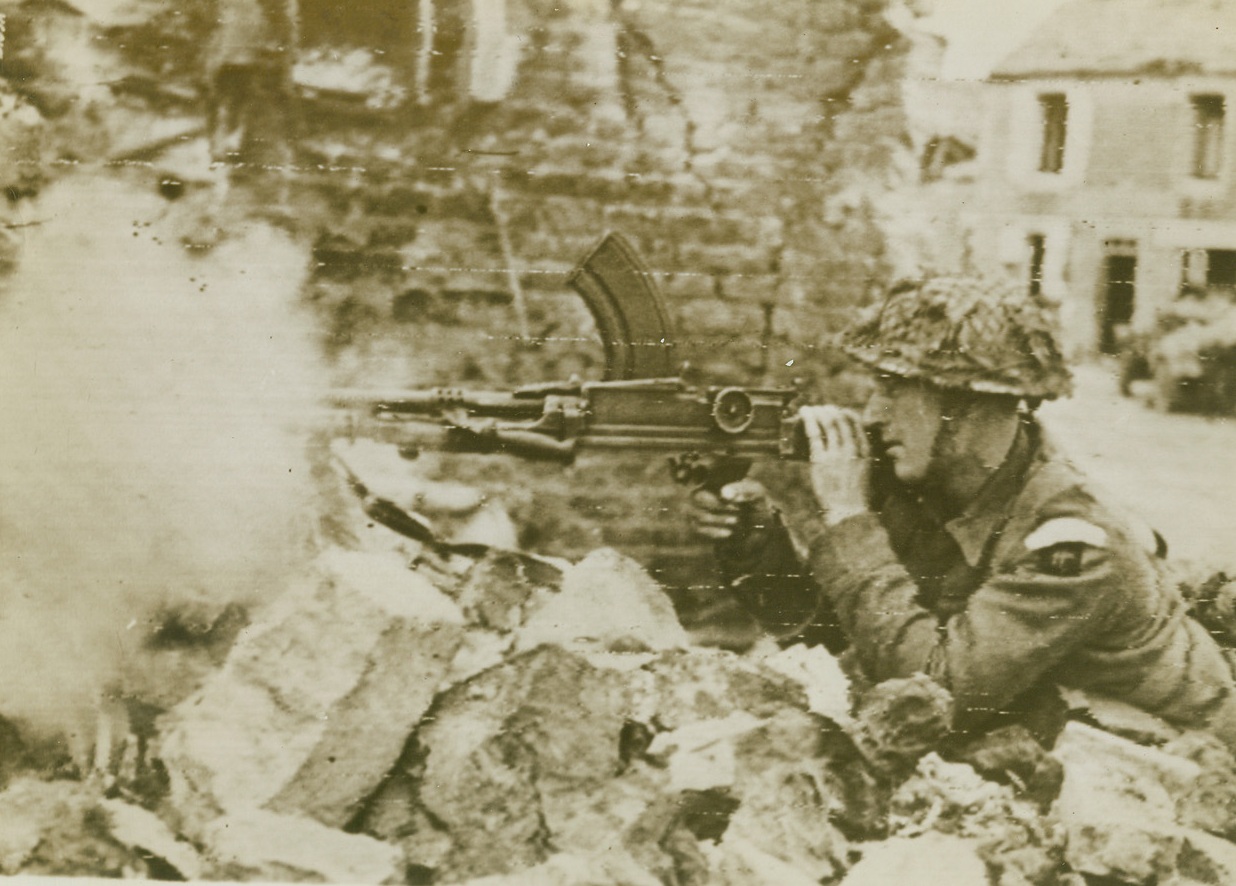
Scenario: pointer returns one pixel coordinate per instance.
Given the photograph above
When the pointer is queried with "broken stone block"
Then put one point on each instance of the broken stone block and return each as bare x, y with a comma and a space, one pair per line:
1209, 802
700, 756
898, 721
666, 836
59, 828
785, 813
504, 586
1205, 858
687, 686
144, 831
503, 746
927, 860
941, 795
568, 869
316, 700
819, 673
491, 525
1117, 805
610, 600
1010, 755
1018, 843
261, 845
736, 862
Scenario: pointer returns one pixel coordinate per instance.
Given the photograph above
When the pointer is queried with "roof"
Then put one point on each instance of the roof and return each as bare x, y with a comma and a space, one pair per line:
1104, 38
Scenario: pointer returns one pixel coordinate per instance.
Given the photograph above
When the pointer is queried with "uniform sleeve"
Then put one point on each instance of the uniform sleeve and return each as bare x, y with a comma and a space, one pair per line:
776, 587
1041, 602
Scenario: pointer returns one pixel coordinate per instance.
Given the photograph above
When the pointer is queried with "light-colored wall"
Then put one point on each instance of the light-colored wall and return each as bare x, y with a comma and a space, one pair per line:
1127, 175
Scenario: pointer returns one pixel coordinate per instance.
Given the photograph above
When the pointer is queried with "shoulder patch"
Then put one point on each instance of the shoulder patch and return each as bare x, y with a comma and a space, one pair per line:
1066, 530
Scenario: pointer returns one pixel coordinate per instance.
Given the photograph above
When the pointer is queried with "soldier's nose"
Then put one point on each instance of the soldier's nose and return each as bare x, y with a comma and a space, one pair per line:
875, 413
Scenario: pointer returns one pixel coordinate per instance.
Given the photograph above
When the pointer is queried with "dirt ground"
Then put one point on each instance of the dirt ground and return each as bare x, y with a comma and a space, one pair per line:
1178, 472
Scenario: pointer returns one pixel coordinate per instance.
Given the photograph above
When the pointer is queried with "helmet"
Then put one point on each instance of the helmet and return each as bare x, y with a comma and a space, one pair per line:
964, 333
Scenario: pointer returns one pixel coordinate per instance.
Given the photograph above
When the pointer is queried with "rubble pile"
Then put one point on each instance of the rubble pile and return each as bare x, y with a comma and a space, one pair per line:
462, 713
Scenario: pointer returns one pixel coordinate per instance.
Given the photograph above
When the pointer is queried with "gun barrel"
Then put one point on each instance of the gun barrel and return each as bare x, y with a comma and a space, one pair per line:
436, 401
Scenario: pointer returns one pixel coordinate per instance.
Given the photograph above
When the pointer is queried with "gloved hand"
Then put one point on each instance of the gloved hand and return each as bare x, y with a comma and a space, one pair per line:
741, 521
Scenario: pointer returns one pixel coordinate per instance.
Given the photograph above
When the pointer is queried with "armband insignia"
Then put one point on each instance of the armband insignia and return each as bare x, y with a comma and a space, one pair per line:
1066, 531
1063, 560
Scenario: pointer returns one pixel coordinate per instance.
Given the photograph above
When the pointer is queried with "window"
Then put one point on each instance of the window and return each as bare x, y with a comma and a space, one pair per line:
1221, 268
1207, 270
1208, 114
1038, 248
1055, 113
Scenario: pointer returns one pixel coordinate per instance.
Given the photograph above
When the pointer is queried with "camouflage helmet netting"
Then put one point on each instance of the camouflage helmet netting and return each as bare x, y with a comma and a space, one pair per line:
965, 334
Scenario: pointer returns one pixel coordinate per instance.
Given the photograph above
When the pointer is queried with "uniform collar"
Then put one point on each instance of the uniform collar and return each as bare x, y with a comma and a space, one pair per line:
974, 527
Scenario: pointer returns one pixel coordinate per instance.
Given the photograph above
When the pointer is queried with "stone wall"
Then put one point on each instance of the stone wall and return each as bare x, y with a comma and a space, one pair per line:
715, 135
743, 149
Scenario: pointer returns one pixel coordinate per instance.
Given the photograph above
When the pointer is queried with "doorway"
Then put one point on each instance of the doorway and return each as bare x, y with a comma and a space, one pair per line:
1117, 301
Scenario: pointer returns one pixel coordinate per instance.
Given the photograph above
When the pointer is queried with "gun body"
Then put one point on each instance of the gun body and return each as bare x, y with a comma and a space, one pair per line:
555, 422
714, 432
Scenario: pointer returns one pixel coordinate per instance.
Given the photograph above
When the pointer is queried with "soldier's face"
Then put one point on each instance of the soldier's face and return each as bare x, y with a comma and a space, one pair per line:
909, 416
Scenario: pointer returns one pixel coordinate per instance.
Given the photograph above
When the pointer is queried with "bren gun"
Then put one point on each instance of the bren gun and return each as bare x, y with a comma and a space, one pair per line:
713, 433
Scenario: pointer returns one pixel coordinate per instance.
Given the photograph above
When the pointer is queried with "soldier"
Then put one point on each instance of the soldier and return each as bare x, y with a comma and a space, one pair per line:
953, 540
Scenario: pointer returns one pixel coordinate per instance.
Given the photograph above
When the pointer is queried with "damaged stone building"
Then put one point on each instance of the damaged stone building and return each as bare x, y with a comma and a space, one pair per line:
1105, 170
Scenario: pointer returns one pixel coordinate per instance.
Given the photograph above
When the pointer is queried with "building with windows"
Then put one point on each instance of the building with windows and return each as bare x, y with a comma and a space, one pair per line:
1106, 169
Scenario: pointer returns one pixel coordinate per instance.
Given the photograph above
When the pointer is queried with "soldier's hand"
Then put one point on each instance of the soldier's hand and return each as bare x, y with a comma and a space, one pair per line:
739, 520
840, 460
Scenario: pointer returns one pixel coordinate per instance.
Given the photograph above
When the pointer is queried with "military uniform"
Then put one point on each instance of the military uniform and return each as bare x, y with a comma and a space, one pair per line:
1035, 583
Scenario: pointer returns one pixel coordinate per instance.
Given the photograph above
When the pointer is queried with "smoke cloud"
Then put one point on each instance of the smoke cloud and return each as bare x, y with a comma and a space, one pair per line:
147, 458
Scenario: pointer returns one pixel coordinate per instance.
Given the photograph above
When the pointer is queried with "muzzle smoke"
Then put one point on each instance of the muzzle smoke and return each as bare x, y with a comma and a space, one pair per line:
146, 461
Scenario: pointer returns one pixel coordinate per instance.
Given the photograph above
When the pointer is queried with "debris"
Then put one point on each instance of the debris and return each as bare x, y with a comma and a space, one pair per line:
1117, 805
141, 829
610, 600
255, 844
1205, 858
566, 869
1209, 803
701, 756
940, 796
784, 812
59, 828
736, 862
819, 672
316, 700
901, 720
504, 586
1010, 755
490, 525
919, 861
497, 754
1119, 718
1011, 835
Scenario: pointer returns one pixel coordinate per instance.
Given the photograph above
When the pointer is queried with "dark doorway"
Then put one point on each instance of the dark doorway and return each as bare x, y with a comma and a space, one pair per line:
1116, 310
